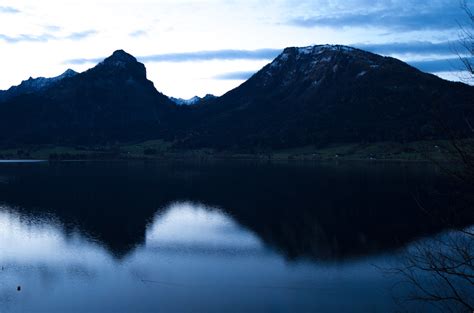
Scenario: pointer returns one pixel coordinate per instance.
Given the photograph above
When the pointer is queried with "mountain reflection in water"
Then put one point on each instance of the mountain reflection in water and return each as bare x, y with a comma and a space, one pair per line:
128, 237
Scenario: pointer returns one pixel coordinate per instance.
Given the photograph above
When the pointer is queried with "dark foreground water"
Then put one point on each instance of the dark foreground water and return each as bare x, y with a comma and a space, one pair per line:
210, 237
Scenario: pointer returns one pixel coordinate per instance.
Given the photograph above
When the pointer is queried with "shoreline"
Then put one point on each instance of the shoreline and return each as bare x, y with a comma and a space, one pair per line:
420, 151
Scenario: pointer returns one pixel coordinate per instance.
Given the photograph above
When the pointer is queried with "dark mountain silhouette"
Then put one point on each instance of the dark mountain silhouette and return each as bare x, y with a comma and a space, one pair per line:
307, 96
333, 94
114, 101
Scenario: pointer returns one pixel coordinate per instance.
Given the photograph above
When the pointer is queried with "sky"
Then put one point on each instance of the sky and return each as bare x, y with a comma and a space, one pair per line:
196, 47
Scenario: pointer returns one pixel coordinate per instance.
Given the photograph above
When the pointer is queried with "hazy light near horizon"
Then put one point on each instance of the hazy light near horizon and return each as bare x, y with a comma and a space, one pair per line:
199, 47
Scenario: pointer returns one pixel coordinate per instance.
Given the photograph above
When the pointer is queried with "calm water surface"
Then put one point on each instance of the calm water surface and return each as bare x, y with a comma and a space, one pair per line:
209, 237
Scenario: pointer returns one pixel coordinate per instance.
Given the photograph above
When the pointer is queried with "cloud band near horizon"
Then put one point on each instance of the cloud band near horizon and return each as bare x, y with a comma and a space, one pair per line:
393, 15
9, 10
45, 37
446, 52
196, 56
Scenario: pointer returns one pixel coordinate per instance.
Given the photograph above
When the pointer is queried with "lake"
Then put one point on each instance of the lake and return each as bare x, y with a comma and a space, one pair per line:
149, 236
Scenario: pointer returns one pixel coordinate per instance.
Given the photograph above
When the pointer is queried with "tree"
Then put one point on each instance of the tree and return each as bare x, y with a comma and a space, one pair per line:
440, 272
467, 39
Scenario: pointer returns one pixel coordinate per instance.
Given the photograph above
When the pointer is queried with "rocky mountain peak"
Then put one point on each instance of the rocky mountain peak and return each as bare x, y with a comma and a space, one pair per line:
121, 64
315, 64
120, 58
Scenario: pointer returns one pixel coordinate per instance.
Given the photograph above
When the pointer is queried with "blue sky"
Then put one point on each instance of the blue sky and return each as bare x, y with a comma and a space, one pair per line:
196, 47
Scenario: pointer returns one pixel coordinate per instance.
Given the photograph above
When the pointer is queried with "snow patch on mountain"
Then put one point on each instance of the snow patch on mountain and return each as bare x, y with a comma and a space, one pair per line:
316, 64
361, 74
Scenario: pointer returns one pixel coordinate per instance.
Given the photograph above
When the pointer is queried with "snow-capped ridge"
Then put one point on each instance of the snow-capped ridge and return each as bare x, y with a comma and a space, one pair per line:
191, 101
32, 85
41, 82
68, 73
318, 63
318, 49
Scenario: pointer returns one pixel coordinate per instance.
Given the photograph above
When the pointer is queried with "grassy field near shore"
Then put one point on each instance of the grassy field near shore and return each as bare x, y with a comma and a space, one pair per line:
158, 149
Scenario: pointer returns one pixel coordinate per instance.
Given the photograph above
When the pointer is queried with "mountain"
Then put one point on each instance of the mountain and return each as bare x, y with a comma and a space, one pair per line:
318, 95
113, 101
192, 101
327, 94
33, 85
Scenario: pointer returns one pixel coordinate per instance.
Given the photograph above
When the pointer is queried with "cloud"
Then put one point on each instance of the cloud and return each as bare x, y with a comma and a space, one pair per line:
80, 61
391, 15
44, 37
260, 54
52, 28
81, 35
235, 75
441, 65
10, 10
138, 33
27, 38
447, 64
411, 47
